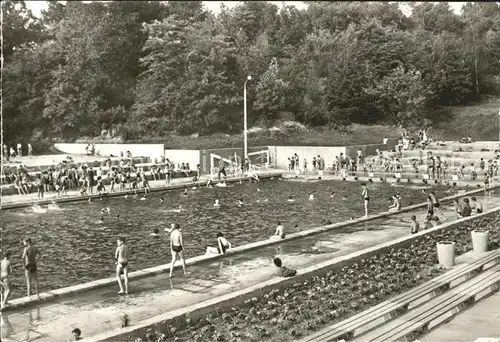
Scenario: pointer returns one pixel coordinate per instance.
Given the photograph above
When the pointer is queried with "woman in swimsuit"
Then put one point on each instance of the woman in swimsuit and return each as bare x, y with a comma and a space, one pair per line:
121, 256
177, 248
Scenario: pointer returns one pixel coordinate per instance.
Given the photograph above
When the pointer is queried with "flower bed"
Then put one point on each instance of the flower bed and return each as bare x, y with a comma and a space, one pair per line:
307, 306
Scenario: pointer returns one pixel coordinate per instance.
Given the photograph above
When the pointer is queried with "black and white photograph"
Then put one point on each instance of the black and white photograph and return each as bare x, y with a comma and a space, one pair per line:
250, 171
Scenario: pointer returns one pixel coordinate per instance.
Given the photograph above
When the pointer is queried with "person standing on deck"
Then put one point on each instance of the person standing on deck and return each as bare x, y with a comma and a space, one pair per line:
177, 248
6, 271
121, 256
366, 197
31, 256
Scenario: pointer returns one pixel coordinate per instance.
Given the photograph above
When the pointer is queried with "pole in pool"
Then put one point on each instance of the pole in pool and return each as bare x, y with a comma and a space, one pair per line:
245, 128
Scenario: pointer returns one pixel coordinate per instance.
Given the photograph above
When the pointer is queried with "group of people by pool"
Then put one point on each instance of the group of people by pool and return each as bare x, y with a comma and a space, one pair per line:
32, 255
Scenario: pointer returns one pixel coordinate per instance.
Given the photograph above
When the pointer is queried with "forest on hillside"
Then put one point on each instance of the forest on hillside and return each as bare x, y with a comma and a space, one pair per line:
149, 68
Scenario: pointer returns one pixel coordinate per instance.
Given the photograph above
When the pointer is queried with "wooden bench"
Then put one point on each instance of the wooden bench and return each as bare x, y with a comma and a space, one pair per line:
396, 306
417, 322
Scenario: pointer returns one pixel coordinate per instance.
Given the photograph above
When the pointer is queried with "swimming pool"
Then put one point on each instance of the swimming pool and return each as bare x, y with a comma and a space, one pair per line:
76, 247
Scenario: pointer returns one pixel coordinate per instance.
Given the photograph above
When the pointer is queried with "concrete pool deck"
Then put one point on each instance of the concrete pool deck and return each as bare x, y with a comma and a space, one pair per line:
479, 323
99, 310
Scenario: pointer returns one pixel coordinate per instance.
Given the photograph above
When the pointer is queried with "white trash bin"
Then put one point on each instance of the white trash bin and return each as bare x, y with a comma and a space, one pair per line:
446, 253
480, 240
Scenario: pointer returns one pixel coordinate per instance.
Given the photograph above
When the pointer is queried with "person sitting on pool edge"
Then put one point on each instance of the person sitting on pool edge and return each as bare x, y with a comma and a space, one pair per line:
222, 243
280, 232
396, 204
477, 205
466, 210
282, 271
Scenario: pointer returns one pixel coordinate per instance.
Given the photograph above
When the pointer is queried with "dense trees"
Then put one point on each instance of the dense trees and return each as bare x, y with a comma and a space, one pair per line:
150, 68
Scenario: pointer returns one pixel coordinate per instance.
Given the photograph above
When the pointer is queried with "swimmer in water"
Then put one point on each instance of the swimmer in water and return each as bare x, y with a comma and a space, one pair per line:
311, 197
53, 205
178, 210
155, 233
222, 184
143, 198
162, 200
210, 184
332, 195
185, 193
266, 200
290, 199
240, 202
216, 204
344, 197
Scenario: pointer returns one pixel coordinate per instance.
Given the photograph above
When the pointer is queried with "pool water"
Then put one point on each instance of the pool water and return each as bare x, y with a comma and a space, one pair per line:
76, 247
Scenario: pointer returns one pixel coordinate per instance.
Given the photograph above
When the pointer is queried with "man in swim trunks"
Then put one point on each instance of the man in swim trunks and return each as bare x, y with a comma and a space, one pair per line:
177, 248
430, 207
6, 270
435, 202
31, 256
121, 256
366, 197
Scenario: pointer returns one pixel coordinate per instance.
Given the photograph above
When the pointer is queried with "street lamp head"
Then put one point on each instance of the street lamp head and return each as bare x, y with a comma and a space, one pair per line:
249, 77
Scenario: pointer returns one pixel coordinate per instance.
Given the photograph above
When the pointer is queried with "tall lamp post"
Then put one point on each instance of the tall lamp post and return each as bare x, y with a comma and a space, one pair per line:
245, 128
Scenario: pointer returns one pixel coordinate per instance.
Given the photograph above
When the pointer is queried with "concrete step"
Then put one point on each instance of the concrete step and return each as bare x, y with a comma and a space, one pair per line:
447, 154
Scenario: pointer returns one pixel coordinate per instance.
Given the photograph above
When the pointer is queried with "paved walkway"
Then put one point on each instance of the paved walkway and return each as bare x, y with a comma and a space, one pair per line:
480, 321
99, 310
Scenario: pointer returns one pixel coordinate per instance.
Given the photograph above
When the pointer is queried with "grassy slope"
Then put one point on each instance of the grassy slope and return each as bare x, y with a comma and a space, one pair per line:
480, 120
314, 137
